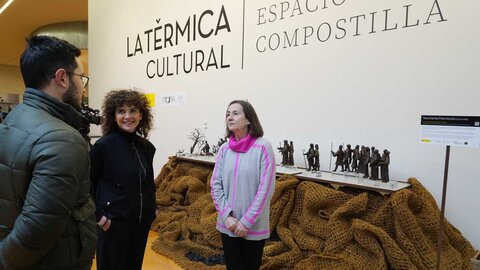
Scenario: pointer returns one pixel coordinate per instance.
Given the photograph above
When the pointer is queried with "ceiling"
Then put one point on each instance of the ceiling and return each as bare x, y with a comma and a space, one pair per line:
23, 17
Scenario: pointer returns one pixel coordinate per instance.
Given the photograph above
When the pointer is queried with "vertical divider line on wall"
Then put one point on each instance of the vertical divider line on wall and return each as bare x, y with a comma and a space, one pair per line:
442, 212
243, 34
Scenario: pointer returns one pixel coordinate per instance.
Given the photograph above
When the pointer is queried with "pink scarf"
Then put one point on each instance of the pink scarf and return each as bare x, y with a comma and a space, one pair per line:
243, 145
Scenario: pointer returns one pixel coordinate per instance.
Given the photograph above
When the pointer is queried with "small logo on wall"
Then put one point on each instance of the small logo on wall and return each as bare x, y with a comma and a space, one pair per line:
173, 99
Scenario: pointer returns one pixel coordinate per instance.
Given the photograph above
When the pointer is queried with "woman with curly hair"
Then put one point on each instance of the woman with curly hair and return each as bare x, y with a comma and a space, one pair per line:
122, 181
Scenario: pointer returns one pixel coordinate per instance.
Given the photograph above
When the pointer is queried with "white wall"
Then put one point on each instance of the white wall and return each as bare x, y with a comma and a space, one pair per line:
366, 89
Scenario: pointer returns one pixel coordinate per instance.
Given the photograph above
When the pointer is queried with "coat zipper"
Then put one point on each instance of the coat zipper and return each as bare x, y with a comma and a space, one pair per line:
140, 182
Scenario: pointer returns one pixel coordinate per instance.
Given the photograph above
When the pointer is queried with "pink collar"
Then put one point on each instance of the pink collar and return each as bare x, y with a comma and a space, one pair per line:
243, 145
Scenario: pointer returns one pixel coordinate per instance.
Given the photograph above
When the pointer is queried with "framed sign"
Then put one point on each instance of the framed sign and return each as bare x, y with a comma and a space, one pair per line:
451, 130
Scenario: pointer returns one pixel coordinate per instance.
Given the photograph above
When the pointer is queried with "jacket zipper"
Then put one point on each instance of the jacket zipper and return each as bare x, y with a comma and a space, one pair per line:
140, 182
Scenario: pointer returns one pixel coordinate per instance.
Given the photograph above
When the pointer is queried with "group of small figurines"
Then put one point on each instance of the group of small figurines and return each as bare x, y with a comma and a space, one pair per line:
312, 155
362, 159
205, 150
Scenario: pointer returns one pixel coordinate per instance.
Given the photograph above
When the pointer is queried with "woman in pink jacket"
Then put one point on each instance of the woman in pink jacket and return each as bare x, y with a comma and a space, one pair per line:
242, 186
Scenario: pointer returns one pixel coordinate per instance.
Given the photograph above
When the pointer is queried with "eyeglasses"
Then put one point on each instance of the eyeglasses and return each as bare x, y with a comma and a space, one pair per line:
83, 77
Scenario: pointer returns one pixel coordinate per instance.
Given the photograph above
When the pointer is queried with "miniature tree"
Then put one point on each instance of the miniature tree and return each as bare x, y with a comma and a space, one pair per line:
197, 137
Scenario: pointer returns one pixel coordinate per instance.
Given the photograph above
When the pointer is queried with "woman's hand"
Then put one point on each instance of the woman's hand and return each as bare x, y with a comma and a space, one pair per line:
241, 230
231, 223
104, 223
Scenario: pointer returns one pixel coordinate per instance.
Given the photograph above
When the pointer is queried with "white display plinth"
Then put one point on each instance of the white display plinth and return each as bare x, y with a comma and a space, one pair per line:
340, 179
336, 179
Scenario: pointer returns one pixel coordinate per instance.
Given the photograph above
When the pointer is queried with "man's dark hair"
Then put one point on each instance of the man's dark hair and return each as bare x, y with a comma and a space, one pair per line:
255, 128
43, 56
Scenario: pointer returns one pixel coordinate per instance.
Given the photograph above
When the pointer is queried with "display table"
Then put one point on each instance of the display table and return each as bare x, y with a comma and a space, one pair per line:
336, 180
209, 160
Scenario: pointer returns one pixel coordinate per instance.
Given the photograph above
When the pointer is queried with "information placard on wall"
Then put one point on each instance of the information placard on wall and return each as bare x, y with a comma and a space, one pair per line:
173, 99
451, 130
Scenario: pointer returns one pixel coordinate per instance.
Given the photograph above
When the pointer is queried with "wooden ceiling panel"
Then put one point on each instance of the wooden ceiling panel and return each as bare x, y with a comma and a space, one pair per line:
23, 17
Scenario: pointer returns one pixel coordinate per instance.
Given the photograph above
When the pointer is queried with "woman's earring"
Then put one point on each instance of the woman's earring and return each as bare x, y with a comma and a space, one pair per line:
247, 124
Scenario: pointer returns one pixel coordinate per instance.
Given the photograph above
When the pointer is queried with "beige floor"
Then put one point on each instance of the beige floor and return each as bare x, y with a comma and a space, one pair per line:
153, 260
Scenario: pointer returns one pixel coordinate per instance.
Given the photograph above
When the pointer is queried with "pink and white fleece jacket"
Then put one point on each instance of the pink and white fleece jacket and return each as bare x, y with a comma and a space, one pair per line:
242, 185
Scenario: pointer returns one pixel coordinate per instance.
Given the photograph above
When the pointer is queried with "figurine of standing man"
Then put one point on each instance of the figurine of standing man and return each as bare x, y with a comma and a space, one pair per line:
310, 157
355, 157
316, 158
339, 155
291, 161
384, 162
284, 151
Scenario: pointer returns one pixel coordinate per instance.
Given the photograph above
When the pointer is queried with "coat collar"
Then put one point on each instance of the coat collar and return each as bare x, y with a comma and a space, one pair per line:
129, 136
63, 111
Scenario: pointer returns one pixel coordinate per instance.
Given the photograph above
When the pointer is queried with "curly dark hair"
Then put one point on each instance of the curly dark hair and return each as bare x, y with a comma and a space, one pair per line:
118, 98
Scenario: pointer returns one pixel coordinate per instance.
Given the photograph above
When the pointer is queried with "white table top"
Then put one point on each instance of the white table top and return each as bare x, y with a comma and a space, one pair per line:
344, 179
336, 179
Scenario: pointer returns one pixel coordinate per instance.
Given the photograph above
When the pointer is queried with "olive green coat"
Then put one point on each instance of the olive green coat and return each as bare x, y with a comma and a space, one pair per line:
46, 212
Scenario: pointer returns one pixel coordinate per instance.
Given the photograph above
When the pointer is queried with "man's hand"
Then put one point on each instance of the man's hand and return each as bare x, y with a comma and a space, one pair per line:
241, 230
104, 223
231, 223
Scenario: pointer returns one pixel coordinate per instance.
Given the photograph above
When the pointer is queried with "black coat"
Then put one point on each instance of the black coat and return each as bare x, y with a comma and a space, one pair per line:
122, 177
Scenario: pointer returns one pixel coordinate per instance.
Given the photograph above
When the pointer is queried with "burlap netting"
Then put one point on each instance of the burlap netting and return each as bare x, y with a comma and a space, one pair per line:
313, 226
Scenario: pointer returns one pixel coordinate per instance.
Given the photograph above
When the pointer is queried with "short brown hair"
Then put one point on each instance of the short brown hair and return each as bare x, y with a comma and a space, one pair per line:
255, 128
116, 99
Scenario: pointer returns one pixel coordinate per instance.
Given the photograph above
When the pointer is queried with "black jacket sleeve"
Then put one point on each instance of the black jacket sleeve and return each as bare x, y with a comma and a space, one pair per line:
96, 170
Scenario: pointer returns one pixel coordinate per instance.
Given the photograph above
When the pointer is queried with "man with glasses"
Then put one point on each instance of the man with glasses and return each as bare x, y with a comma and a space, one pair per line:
82, 77
46, 212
